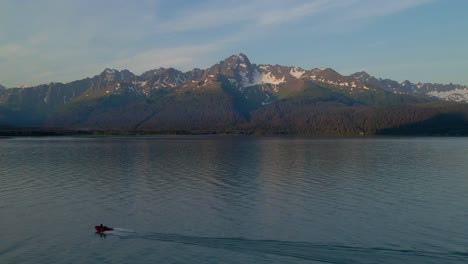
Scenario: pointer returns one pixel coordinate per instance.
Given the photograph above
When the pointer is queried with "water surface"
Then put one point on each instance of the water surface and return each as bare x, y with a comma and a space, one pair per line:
234, 200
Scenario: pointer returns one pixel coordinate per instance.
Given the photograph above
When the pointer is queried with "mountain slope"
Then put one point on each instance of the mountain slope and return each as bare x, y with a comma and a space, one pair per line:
447, 92
209, 109
233, 95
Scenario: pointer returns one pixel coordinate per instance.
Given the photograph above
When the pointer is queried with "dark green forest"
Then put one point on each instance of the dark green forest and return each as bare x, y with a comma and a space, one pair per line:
220, 107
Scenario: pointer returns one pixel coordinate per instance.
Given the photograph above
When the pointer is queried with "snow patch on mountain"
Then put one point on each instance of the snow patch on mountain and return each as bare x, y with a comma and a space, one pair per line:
296, 72
362, 76
259, 78
458, 95
240, 57
110, 71
245, 82
266, 77
267, 100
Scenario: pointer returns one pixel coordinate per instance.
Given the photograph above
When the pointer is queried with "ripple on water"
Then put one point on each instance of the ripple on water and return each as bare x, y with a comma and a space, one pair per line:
348, 200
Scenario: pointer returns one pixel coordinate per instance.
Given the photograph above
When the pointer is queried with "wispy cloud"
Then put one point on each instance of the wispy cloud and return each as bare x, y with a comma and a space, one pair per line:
181, 56
251, 13
203, 19
10, 50
366, 9
297, 11
267, 13
58, 37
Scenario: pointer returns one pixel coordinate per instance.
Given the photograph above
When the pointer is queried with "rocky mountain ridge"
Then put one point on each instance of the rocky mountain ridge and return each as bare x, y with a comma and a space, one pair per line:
232, 94
447, 92
242, 74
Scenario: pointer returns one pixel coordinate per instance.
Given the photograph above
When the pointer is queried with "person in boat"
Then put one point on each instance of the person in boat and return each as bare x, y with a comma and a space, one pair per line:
104, 228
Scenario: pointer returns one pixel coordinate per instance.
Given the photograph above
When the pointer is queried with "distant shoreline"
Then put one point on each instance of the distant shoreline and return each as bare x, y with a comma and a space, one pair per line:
58, 133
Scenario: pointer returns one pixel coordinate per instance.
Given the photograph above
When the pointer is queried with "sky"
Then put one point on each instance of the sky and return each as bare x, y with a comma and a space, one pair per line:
64, 40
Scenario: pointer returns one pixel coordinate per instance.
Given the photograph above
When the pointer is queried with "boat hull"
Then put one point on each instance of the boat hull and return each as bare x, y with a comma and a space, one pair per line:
102, 229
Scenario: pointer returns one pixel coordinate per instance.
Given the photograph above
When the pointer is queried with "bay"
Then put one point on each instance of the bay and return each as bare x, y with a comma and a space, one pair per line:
219, 199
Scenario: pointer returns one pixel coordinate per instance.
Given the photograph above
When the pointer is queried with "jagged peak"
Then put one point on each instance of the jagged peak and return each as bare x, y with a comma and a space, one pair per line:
326, 72
235, 67
109, 71
194, 70
361, 74
153, 71
114, 75
240, 58
114, 71
296, 68
406, 83
323, 70
160, 71
173, 70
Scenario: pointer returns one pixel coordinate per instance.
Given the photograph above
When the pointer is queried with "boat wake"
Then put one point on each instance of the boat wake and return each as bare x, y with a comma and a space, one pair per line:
303, 250
121, 231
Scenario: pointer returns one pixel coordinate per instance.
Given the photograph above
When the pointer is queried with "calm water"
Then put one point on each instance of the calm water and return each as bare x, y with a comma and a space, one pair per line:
234, 200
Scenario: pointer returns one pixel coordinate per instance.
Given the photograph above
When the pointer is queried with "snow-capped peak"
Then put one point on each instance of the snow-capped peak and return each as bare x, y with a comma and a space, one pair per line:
457, 95
406, 83
110, 71
241, 57
296, 72
361, 76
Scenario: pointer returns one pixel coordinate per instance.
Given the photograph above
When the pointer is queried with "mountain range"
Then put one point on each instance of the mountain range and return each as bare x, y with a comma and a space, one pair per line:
237, 96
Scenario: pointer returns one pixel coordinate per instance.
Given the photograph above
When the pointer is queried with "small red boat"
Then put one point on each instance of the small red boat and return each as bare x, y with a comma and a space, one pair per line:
102, 229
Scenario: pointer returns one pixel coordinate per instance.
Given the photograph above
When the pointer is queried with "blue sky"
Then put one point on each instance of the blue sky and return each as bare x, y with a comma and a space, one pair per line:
64, 40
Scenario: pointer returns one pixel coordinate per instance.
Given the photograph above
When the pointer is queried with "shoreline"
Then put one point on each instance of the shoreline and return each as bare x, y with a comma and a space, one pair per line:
110, 133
